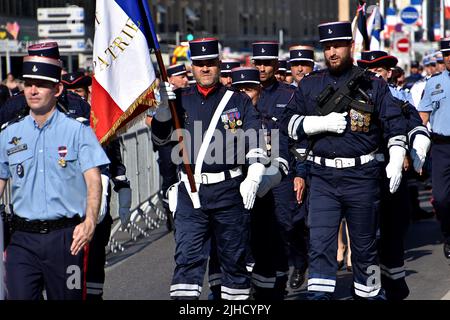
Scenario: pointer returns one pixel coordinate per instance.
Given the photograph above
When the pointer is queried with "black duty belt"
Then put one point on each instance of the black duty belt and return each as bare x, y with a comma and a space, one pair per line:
439, 139
43, 226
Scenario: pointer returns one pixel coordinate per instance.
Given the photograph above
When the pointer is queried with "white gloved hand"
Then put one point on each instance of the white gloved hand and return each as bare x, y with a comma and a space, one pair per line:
333, 122
104, 203
166, 93
421, 146
395, 167
249, 186
270, 179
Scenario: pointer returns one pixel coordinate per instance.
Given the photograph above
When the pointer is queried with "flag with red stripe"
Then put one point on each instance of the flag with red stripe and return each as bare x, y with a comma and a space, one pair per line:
124, 78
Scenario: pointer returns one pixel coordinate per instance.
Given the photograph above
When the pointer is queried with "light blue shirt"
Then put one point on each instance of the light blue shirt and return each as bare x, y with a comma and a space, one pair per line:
47, 165
436, 99
401, 94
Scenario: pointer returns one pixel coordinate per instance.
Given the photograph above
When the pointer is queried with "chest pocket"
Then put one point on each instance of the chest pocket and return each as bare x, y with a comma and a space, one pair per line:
437, 100
20, 165
63, 166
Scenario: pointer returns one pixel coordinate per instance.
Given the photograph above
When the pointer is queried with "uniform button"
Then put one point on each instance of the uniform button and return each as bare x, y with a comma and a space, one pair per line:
203, 102
41, 170
40, 151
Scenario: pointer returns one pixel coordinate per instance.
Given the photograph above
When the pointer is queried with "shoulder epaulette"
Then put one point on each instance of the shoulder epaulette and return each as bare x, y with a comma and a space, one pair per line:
77, 118
312, 73
15, 120
436, 74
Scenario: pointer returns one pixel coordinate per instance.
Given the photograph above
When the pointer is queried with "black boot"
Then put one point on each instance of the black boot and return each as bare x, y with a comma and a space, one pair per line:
297, 277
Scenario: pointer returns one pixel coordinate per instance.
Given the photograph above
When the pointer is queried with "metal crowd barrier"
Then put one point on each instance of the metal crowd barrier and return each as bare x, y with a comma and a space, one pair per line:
147, 212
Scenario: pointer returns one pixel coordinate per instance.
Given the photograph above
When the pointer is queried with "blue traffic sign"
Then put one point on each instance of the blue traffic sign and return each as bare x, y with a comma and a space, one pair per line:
409, 15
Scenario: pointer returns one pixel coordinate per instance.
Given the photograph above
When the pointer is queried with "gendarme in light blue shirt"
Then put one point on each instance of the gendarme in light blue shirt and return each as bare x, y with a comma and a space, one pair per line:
47, 164
401, 94
436, 99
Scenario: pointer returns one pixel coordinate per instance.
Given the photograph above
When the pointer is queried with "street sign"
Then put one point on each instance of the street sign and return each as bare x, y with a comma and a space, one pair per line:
61, 30
403, 45
70, 45
60, 14
409, 15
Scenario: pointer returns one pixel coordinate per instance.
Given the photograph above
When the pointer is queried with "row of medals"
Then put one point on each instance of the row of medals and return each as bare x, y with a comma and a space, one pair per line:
360, 121
232, 124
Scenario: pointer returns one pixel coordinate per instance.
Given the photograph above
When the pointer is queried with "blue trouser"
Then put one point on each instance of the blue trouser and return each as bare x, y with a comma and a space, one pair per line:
195, 228
43, 261
271, 223
394, 220
299, 234
353, 193
167, 169
95, 277
441, 184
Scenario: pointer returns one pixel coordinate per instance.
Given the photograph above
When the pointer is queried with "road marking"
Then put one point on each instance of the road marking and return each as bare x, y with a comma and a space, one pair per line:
446, 297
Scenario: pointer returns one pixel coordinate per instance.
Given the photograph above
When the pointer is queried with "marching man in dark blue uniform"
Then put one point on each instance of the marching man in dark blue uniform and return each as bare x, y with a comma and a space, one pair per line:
344, 135
302, 63
273, 99
225, 71
53, 162
78, 83
268, 239
218, 212
435, 108
394, 209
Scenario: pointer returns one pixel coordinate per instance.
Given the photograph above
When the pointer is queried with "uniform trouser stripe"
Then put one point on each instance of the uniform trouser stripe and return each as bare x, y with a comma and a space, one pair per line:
235, 294
366, 291
323, 285
186, 290
94, 291
393, 273
94, 285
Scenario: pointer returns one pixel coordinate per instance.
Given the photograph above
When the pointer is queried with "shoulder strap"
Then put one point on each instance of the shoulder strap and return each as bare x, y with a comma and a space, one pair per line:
209, 133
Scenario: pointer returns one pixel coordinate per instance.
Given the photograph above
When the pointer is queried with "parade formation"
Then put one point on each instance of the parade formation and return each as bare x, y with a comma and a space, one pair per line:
263, 165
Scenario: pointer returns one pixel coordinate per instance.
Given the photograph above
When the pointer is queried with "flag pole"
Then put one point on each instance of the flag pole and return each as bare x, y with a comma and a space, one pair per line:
172, 105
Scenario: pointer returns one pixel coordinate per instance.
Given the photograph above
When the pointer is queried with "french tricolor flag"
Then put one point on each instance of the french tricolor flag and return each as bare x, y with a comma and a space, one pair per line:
124, 78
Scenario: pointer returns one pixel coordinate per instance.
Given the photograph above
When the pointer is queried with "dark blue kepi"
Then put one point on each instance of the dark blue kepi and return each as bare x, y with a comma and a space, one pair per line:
204, 49
265, 50
245, 75
335, 31
301, 55
176, 70
445, 44
227, 65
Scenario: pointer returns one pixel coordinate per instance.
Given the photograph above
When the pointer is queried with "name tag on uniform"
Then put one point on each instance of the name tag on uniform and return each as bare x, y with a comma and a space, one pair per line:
278, 105
20, 147
437, 92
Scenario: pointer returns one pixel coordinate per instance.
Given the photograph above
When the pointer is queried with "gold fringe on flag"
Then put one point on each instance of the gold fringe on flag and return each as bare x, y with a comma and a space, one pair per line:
142, 99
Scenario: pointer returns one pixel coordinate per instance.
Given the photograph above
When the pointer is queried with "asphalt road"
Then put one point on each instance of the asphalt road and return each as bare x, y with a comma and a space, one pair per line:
143, 271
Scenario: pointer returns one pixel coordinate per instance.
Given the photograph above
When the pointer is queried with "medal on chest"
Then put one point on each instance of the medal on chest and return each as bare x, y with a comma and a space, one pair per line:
62, 152
19, 170
359, 121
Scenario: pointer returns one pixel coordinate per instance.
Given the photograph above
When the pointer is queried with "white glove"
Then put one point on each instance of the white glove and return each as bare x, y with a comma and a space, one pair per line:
333, 122
166, 93
249, 186
270, 179
104, 203
395, 167
420, 148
